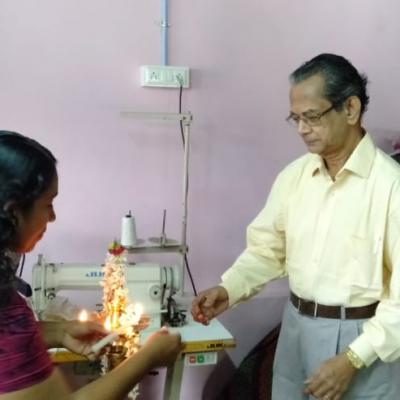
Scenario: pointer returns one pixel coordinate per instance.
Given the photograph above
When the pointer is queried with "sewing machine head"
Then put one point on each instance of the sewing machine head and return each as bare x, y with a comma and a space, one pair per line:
147, 283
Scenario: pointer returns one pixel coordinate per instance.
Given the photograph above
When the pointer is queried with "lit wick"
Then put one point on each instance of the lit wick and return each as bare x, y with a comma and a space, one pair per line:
107, 324
138, 312
83, 316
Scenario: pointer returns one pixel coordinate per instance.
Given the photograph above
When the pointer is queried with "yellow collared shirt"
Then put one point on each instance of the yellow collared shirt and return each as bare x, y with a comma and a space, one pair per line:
337, 241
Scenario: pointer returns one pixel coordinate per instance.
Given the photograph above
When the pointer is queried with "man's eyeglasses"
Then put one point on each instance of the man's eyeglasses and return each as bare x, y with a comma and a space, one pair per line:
309, 118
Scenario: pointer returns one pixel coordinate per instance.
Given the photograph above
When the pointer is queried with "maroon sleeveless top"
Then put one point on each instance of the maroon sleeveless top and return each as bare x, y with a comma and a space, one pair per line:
24, 360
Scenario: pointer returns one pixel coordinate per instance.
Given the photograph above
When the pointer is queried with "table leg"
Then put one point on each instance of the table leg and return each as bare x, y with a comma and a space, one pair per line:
173, 380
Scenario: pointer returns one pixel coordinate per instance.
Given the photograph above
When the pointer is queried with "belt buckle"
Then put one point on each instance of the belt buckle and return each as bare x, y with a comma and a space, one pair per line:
342, 312
315, 309
299, 305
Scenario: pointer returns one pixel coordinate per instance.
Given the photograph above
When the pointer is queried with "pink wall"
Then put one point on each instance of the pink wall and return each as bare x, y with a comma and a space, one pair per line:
69, 67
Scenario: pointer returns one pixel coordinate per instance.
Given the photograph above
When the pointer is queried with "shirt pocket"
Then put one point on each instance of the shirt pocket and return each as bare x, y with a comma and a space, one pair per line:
364, 262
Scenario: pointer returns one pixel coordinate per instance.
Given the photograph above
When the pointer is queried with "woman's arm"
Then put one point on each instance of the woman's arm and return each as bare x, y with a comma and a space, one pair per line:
52, 387
74, 335
160, 349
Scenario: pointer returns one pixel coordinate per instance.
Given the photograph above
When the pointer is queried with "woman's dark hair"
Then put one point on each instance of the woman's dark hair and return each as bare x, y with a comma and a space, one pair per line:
26, 172
341, 78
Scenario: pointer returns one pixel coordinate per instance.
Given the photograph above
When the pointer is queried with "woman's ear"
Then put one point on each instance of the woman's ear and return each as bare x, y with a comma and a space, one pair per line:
353, 110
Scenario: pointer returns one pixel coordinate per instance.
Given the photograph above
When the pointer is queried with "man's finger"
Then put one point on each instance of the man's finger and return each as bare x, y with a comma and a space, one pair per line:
196, 303
210, 299
312, 384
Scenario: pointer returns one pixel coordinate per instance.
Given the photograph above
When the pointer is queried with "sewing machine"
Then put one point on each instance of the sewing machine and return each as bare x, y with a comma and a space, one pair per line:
150, 284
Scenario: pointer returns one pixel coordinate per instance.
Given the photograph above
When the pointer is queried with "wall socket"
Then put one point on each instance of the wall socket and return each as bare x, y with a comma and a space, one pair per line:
164, 76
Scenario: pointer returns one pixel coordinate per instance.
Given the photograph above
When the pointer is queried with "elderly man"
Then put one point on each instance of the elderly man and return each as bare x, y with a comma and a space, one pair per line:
332, 225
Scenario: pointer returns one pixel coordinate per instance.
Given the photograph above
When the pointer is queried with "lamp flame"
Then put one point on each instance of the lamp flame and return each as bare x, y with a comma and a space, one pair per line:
83, 316
107, 324
138, 310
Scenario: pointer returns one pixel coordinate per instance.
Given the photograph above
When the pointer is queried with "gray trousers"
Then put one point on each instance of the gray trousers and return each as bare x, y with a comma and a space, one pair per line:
306, 342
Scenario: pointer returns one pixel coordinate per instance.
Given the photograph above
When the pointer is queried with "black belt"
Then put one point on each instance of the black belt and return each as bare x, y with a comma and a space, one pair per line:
312, 309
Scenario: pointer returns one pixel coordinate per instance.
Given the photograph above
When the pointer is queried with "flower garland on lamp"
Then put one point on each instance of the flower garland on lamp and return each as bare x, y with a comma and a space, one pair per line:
121, 316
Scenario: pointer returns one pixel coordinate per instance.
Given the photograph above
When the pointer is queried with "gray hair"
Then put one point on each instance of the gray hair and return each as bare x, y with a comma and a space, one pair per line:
341, 78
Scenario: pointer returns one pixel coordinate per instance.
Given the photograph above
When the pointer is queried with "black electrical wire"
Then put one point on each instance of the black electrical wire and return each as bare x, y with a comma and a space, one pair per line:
182, 133
180, 111
187, 187
190, 275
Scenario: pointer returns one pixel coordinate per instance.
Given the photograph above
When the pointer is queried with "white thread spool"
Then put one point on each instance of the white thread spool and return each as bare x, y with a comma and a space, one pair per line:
128, 231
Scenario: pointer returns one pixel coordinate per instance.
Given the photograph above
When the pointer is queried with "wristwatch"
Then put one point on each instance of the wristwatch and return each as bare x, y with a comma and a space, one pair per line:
355, 361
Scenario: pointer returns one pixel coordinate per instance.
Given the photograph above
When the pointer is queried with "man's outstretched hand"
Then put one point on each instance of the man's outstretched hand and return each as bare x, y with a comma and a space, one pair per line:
209, 304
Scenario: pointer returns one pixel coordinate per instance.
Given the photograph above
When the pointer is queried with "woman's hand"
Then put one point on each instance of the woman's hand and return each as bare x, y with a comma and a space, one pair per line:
75, 336
80, 336
163, 347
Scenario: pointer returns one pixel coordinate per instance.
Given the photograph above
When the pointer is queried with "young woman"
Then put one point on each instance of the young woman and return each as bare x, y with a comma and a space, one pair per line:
28, 185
